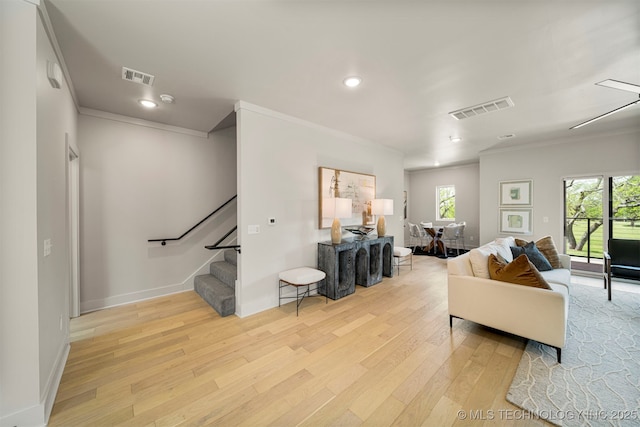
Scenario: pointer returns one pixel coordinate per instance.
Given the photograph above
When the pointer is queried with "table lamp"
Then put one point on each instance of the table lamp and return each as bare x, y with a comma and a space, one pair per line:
336, 208
380, 208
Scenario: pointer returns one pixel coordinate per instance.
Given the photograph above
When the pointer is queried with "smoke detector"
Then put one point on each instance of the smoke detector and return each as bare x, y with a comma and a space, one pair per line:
167, 99
137, 76
485, 107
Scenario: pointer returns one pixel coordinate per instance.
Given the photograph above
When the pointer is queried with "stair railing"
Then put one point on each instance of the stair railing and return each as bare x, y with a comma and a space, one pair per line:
216, 244
169, 239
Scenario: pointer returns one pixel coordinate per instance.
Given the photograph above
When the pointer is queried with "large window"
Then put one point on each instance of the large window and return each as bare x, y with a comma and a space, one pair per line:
584, 217
446, 203
589, 212
624, 211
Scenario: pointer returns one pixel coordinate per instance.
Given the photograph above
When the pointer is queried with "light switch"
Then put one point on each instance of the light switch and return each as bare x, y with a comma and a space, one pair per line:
254, 229
545, 219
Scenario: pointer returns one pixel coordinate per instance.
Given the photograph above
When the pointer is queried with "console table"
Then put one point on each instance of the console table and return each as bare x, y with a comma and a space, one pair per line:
354, 262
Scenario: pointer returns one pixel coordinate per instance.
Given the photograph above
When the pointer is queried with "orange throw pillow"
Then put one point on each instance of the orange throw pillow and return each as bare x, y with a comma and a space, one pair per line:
520, 271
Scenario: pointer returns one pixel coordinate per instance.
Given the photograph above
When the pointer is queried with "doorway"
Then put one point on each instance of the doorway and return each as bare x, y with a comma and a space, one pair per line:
593, 216
584, 220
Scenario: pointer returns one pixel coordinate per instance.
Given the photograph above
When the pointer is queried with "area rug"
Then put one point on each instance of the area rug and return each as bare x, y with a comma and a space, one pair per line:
598, 381
450, 253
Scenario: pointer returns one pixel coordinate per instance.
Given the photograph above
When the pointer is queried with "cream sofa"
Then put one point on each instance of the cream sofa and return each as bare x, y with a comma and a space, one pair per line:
534, 313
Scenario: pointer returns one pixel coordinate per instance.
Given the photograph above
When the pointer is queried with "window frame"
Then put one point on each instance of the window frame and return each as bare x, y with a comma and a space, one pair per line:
438, 187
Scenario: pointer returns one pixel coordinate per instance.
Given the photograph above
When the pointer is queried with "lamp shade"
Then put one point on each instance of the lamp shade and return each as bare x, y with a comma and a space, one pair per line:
382, 207
336, 208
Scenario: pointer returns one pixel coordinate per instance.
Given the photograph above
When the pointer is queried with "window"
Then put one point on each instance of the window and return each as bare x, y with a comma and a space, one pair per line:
624, 210
592, 218
446, 203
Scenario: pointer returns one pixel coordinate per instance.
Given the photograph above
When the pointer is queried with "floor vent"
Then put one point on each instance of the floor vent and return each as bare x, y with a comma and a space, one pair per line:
478, 110
137, 76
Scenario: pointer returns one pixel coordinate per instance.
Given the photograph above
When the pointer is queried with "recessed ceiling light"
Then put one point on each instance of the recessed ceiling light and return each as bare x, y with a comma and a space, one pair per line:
147, 103
455, 138
352, 81
436, 163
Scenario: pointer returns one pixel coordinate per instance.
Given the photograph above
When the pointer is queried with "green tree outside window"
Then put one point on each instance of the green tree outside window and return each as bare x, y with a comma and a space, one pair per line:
446, 203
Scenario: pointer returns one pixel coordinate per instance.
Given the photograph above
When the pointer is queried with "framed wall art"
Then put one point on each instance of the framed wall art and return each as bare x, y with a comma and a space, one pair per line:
516, 193
516, 221
359, 187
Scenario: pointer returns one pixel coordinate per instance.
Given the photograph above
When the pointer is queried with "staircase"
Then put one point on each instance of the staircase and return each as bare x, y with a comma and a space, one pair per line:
218, 288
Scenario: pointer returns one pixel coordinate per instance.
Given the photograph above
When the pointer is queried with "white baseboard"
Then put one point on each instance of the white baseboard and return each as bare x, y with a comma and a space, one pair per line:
101, 303
38, 415
53, 382
32, 417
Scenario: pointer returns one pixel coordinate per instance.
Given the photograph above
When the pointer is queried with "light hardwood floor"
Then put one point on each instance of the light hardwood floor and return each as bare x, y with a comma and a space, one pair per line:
382, 356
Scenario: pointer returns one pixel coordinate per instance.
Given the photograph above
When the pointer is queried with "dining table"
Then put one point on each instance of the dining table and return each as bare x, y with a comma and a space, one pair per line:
436, 246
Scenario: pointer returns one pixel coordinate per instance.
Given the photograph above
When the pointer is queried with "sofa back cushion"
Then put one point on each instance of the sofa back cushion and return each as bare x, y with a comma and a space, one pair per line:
520, 271
479, 257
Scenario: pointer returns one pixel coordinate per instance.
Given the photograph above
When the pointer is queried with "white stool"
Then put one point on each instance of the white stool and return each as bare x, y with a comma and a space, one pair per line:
300, 277
400, 255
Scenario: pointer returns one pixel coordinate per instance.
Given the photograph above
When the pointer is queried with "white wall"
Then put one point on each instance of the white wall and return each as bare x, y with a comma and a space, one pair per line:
34, 288
142, 181
279, 158
57, 123
19, 362
422, 197
547, 165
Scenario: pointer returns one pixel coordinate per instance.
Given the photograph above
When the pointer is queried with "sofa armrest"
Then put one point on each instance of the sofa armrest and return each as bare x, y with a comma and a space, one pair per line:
534, 313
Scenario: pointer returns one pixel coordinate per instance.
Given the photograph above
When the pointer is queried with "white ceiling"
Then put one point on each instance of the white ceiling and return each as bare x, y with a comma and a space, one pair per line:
419, 60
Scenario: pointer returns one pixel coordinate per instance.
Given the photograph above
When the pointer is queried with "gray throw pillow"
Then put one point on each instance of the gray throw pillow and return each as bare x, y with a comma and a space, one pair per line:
534, 255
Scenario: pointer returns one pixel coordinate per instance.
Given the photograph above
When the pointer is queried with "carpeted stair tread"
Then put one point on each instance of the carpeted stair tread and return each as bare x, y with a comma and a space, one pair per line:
225, 272
231, 256
216, 293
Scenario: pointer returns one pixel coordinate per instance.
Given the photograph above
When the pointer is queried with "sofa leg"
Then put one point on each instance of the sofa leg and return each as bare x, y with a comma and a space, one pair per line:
450, 321
559, 351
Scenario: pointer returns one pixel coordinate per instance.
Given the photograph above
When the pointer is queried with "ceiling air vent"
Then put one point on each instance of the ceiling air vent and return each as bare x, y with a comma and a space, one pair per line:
137, 76
478, 110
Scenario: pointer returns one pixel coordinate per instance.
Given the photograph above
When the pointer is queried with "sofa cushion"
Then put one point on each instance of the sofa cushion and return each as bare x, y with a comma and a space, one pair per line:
479, 257
561, 276
548, 248
520, 271
506, 242
534, 255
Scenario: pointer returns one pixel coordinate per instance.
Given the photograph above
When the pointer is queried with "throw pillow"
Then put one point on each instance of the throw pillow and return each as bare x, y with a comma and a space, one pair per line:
520, 272
506, 243
548, 248
479, 258
534, 255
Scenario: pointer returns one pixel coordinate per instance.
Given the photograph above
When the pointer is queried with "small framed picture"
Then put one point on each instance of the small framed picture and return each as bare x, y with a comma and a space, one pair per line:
516, 221
516, 193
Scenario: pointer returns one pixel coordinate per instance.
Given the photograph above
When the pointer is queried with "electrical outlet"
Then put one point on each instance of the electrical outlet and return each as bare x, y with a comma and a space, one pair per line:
271, 221
47, 247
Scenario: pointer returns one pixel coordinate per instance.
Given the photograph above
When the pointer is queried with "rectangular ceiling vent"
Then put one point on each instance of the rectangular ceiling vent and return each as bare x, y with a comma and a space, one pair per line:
478, 110
137, 76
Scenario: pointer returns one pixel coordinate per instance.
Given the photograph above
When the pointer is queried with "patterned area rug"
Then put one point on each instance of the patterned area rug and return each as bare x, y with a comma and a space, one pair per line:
598, 382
